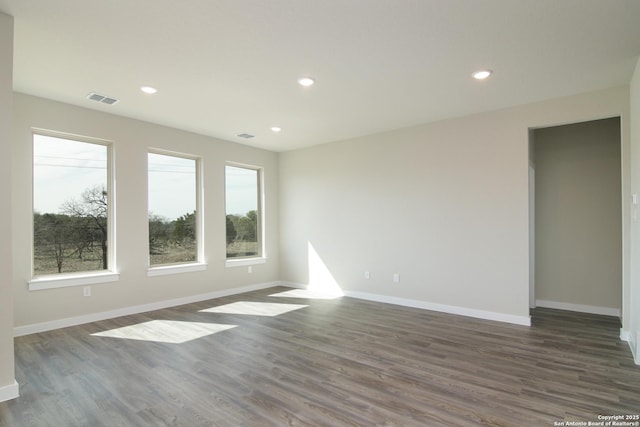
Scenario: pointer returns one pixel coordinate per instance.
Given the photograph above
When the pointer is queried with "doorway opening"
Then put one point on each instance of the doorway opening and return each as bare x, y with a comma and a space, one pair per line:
575, 188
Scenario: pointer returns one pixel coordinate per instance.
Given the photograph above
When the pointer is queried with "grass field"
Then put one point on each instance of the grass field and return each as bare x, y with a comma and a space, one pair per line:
242, 249
170, 253
173, 253
47, 265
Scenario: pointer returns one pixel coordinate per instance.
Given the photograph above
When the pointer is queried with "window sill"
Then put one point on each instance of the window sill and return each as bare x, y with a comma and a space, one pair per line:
245, 261
175, 269
67, 280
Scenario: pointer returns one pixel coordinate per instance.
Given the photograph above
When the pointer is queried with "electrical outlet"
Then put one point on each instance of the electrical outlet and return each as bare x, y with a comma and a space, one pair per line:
86, 291
250, 269
396, 278
367, 275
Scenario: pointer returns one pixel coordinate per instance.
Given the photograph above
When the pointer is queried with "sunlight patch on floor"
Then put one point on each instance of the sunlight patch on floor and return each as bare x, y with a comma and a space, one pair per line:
254, 308
166, 331
305, 293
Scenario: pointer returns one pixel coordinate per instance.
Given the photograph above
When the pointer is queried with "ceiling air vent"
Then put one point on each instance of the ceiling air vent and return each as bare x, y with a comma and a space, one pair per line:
102, 98
245, 135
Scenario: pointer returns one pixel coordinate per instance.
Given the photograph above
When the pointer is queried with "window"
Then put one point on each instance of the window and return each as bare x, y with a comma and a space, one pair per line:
72, 229
244, 213
174, 236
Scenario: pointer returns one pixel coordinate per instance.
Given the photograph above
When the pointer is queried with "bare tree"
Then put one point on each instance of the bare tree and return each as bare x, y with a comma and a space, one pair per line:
53, 238
92, 210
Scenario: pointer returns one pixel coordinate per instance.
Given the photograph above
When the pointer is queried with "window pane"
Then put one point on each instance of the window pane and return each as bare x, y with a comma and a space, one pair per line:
70, 183
172, 209
243, 212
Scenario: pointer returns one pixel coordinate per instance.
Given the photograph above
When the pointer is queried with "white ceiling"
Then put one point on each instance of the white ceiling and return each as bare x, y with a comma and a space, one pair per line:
225, 67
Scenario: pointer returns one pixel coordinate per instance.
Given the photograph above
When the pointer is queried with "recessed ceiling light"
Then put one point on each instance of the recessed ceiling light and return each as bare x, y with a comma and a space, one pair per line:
148, 89
481, 74
306, 81
276, 129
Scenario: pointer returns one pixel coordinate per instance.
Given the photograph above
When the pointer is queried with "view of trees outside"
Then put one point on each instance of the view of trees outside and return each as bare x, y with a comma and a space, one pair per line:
172, 209
71, 208
242, 191
70, 203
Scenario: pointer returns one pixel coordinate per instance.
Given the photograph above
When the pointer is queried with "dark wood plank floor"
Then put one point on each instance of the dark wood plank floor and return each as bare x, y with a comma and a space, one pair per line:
340, 362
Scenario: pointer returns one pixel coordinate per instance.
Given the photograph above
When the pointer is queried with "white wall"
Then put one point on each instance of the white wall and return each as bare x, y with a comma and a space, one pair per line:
578, 216
633, 327
444, 204
8, 387
131, 140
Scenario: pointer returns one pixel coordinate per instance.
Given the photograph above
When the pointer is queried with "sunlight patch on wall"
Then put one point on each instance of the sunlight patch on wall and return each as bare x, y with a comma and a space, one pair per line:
253, 308
166, 331
321, 281
304, 293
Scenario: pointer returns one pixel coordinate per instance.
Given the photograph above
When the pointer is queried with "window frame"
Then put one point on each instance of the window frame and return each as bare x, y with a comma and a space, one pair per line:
200, 263
261, 257
61, 280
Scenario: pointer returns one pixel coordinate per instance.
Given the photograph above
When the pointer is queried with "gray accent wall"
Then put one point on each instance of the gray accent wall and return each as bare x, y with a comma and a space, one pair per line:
578, 218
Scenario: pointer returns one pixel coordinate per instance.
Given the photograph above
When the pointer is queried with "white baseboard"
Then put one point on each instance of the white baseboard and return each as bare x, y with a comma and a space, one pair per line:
624, 335
634, 344
606, 311
292, 285
94, 317
9, 392
451, 309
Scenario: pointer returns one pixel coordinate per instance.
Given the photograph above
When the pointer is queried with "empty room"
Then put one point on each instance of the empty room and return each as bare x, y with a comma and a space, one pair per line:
336, 213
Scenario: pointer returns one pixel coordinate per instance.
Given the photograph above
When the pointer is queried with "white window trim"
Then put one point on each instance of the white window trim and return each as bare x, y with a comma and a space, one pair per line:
241, 262
68, 280
164, 270
62, 280
199, 264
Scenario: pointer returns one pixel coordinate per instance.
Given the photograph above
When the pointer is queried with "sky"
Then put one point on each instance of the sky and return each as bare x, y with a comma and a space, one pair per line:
172, 185
63, 169
241, 190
